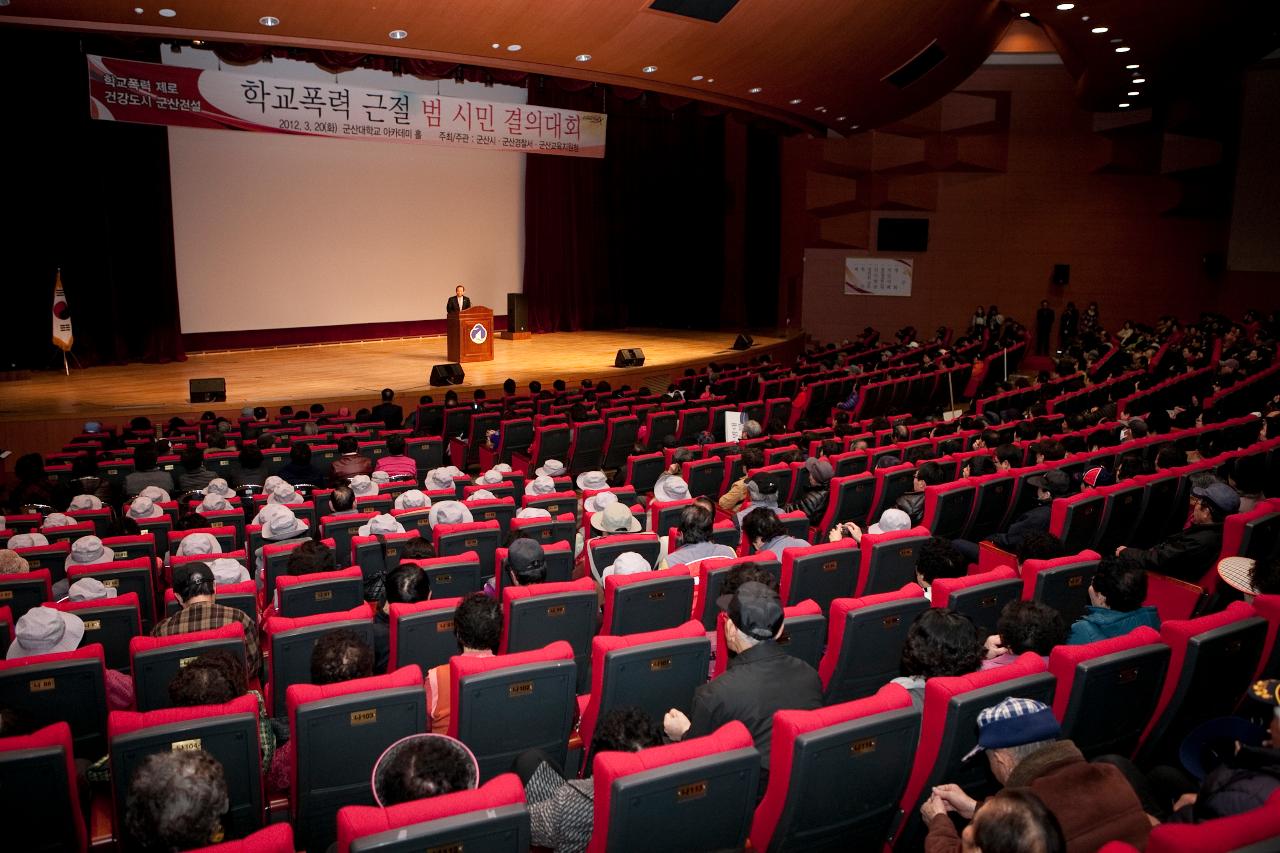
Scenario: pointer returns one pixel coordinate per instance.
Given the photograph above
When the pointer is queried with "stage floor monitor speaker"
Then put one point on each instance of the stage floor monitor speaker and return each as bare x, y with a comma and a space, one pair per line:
212, 390
629, 358
449, 373
744, 341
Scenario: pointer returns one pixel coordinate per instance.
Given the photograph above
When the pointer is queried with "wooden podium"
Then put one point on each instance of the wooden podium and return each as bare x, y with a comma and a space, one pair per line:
471, 335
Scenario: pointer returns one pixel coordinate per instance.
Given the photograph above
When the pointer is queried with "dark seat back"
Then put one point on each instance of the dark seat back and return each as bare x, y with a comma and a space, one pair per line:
41, 807
588, 443
981, 597
291, 642
156, 660
865, 640
1062, 583
647, 602
643, 471
490, 819
422, 634
453, 576
109, 622
480, 538
321, 592
889, 559
22, 592
947, 508
990, 503
822, 573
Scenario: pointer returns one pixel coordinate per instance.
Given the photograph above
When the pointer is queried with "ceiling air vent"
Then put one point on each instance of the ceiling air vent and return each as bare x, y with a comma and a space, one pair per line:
703, 10
918, 66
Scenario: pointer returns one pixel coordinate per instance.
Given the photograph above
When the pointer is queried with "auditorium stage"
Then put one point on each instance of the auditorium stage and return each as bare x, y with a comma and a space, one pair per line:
40, 412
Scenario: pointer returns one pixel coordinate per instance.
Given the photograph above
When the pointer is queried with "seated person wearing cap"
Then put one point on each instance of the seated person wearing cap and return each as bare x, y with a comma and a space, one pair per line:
526, 564
1048, 486
562, 810
891, 519
813, 502
1115, 603
1093, 802
340, 655
176, 801
45, 631
194, 587
407, 584
912, 502
1189, 554
732, 500
762, 493
477, 625
766, 532
760, 680
694, 535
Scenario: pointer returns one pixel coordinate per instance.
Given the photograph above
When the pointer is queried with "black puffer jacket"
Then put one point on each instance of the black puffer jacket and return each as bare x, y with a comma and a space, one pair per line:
812, 503
1186, 555
1241, 785
912, 503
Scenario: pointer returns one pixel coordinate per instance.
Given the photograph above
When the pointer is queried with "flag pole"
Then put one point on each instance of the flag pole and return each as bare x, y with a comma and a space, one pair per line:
65, 368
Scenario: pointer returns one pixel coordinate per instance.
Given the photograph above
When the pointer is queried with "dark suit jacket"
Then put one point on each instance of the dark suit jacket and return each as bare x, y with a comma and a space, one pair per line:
390, 414
451, 307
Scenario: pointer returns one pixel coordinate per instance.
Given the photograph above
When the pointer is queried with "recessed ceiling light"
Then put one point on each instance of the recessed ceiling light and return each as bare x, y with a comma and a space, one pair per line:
1123, 106
1133, 94
513, 47
854, 126
265, 20
711, 79
398, 34
1024, 14
1100, 29
1122, 50
1084, 17
649, 69
755, 90
1066, 7
1116, 41
821, 109
795, 100
138, 10
582, 57
696, 77
1132, 66
167, 13
197, 42
1139, 80
840, 118
495, 45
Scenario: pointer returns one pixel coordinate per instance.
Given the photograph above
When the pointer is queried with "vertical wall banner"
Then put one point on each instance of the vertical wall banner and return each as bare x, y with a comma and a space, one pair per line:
877, 276
62, 336
148, 93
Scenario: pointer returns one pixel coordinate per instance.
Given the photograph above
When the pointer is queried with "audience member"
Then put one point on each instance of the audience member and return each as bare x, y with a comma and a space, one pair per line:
694, 535
1115, 603
191, 474
395, 462
176, 801
940, 642
1024, 626
406, 584
146, 472
912, 502
1052, 484
477, 625
1189, 554
1011, 821
194, 589
766, 532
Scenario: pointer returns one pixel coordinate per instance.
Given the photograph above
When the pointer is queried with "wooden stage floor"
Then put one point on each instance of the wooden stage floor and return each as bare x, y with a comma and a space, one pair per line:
45, 408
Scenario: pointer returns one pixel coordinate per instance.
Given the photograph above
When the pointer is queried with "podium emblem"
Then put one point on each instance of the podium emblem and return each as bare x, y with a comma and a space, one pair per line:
478, 334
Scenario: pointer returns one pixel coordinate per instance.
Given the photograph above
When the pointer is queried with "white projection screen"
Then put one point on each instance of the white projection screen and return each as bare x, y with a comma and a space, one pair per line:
274, 232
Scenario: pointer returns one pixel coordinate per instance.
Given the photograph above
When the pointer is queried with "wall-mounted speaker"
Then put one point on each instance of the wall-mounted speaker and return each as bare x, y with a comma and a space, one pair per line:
744, 341
1061, 274
449, 373
629, 358
209, 390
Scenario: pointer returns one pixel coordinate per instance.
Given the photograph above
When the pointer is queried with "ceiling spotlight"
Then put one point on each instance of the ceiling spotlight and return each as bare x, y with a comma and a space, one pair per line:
167, 13
1024, 14
197, 42
695, 78
821, 109
1123, 106
840, 118
265, 20
854, 126
1133, 94
1099, 29
755, 90
1122, 50
795, 101
495, 45
138, 10
649, 69
1132, 66
398, 34
711, 79
1137, 80
513, 47
1066, 7
582, 57
1116, 41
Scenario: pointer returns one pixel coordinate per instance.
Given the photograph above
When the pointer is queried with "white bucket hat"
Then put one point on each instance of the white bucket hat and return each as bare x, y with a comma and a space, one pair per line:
58, 519
227, 571
489, 478
441, 478
155, 493
540, 486
412, 499
80, 502
279, 523
533, 512
362, 485
28, 540
144, 507
449, 512
198, 544
90, 589
599, 501
44, 631
89, 550
269, 484
378, 477
615, 518
214, 502
627, 563
218, 486
551, 468
671, 488
502, 468
284, 493
592, 481
383, 523
480, 495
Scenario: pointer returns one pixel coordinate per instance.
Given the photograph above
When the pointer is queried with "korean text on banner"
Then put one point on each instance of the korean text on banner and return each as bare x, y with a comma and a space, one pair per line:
877, 277
148, 93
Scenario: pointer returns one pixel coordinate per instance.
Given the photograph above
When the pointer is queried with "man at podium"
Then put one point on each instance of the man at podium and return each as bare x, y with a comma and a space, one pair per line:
458, 302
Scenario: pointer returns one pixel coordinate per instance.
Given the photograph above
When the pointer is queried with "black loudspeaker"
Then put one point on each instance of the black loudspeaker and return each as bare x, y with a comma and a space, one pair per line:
517, 313
1061, 274
744, 341
209, 390
629, 358
449, 373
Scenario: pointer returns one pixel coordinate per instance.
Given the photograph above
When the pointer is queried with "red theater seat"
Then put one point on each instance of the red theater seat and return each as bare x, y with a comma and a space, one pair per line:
41, 804
981, 596
649, 601
277, 838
